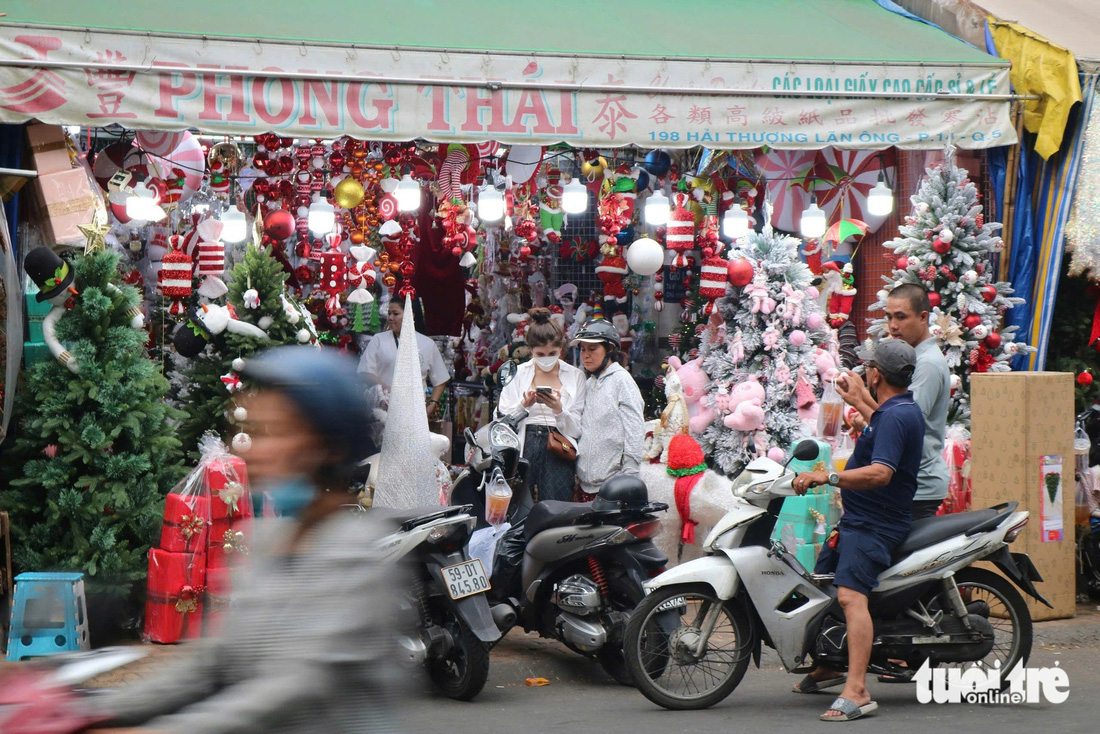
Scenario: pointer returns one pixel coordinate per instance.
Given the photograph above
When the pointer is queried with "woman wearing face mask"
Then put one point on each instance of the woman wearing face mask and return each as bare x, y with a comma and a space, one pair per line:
552, 392
307, 643
612, 428
380, 356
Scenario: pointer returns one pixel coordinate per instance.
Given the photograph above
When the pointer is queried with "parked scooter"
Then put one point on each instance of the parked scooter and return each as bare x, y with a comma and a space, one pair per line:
690, 641
1088, 540
446, 595
570, 571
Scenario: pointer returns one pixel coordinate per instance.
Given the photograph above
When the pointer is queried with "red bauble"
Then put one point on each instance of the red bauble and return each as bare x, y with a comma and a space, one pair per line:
1084, 379
993, 340
933, 299
902, 263
972, 320
740, 272
941, 247
279, 224
988, 293
456, 251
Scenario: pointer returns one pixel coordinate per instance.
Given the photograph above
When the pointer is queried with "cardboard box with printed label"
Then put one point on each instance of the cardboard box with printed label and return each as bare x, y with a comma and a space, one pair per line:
1017, 420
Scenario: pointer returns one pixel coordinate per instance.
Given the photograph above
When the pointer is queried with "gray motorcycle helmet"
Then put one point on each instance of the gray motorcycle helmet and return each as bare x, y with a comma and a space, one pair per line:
328, 392
598, 331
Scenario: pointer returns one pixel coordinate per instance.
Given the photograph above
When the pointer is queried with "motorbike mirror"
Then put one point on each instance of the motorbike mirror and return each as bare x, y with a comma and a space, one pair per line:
468, 434
805, 450
507, 372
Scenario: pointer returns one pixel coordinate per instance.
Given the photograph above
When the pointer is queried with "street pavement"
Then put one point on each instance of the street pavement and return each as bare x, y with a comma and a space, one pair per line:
580, 697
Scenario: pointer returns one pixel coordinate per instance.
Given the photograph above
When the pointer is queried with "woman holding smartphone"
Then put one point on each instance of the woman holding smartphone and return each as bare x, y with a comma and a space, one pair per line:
552, 392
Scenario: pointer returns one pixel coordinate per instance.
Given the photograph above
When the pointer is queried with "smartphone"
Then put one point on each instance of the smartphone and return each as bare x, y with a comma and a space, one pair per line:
543, 390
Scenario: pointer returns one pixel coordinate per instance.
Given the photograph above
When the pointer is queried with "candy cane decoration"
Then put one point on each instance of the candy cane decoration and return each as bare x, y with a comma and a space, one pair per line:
450, 171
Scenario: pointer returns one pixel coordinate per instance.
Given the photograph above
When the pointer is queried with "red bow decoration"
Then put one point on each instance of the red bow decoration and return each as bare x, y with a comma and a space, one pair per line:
980, 359
579, 250
231, 381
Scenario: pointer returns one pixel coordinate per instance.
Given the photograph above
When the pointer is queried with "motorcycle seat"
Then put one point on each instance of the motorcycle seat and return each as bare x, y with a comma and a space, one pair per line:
932, 530
411, 518
552, 514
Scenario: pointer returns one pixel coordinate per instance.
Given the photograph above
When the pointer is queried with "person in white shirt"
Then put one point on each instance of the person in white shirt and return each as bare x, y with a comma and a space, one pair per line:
380, 356
552, 392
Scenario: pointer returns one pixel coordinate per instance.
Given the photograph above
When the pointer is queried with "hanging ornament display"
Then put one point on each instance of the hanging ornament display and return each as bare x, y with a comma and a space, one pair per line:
713, 279
334, 274
612, 271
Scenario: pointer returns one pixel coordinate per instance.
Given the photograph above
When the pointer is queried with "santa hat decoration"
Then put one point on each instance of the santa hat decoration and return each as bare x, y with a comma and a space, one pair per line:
680, 234
174, 278
687, 464
713, 279
611, 272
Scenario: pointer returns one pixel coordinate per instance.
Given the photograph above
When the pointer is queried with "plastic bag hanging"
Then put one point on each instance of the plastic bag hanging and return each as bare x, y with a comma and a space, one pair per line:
498, 495
832, 413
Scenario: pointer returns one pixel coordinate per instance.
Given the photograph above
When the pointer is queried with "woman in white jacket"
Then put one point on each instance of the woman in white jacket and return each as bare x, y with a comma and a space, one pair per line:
552, 392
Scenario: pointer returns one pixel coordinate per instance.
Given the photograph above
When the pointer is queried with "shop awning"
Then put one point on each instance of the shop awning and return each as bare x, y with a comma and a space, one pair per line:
719, 73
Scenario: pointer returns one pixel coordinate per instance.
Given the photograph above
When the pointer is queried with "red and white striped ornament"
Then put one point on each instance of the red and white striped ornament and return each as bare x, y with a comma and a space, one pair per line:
713, 279
174, 278
680, 233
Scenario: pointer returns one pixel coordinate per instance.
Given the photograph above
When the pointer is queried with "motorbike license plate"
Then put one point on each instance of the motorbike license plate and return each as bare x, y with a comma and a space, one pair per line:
465, 579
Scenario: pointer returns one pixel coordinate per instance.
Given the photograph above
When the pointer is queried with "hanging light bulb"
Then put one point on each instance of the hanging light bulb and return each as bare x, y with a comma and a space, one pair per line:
735, 222
322, 216
574, 197
141, 204
490, 204
407, 194
656, 209
234, 226
813, 223
880, 199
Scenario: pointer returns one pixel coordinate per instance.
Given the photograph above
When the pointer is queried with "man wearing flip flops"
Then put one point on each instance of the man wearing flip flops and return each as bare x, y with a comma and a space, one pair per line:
877, 489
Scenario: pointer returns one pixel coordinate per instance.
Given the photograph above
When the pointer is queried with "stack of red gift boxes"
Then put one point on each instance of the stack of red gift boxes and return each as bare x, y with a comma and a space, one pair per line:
205, 533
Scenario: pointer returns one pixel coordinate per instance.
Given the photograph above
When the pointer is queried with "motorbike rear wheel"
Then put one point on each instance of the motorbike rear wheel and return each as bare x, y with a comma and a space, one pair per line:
661, 641
462, 673
1007, 614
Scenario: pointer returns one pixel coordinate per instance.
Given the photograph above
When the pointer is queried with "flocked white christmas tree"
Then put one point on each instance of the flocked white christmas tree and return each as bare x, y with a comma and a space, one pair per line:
766, 360
946, 246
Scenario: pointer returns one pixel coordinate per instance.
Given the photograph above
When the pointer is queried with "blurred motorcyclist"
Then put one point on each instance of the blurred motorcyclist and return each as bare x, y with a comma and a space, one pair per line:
306, 643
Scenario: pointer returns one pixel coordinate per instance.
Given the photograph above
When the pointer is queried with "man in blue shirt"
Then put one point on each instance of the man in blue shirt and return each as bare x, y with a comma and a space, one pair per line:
876, 489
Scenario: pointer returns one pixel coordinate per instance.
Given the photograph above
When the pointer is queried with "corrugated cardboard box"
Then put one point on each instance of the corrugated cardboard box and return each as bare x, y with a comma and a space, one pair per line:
49, 149
1016, 419
65, 200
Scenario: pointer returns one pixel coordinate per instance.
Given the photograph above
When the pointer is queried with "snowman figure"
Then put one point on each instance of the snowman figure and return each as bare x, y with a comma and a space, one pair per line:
205, 323
54, 278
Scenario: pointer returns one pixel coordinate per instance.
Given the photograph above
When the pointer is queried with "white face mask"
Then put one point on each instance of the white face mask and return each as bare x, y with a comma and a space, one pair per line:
546, 363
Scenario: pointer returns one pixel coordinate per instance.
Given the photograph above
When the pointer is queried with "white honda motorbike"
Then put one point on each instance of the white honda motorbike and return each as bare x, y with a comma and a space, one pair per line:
689, 642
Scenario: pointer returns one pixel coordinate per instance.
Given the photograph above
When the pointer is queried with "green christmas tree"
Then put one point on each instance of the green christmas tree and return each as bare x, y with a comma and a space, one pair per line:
208, 399
96, 451
1069, 349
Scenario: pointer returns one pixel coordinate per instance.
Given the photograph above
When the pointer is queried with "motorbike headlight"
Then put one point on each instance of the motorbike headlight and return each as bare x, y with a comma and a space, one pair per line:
503, 437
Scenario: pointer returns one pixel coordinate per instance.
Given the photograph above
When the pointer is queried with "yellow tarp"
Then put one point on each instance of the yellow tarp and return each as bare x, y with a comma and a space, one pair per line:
1043, 68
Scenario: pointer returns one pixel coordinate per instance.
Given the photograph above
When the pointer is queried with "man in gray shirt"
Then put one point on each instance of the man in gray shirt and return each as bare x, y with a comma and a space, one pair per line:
907, 312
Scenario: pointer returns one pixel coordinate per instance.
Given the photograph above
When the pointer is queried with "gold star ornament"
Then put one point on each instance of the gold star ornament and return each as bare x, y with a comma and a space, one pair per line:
95, 233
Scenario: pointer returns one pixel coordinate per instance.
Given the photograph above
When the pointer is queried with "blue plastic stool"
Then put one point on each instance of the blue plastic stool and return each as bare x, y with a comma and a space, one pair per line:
48, 615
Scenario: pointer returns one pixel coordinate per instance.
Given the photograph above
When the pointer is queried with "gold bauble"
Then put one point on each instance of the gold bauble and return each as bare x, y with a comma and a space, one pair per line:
593, 169
348, 193
229, 155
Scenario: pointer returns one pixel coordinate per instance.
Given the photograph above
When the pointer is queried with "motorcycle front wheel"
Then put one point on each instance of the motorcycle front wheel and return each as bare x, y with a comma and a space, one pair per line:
663, 651
462, 672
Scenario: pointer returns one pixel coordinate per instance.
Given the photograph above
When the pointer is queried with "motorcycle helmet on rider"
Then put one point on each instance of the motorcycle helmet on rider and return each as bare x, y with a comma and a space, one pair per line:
600, 331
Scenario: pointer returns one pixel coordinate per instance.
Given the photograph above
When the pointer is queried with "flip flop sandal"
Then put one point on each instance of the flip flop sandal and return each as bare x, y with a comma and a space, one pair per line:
849, 710
809, 685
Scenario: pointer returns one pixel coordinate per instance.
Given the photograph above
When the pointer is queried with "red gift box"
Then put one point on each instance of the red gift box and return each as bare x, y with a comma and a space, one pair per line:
186, 523
228, 542
227, 480
173, 604
218, 589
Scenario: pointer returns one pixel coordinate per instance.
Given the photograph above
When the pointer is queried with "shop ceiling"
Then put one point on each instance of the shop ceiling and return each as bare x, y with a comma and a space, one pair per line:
717, 73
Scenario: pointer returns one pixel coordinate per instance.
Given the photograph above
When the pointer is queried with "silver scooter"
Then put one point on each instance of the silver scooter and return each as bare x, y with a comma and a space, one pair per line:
689, 643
